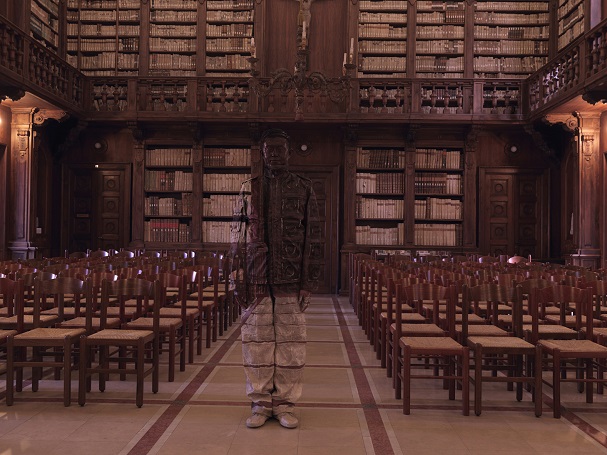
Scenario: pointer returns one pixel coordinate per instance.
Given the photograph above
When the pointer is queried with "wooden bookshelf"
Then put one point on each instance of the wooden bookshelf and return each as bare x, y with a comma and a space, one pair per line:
168, 185
229, 37
380, 191
439, 193
103, 36
225, 170
44, 23
382, 38
439, 39
511, 38
570, 16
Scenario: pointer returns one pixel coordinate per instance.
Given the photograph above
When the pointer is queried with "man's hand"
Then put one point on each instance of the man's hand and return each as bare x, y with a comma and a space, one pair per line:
304, 300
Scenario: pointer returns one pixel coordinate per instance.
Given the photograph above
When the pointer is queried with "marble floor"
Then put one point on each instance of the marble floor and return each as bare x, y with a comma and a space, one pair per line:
347, 407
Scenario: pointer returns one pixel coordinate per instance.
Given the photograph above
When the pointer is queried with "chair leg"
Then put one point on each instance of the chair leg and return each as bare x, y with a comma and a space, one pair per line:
382, 343
406, 384
209, 318
478, 379
466, 381
556, 384
155, 364
589, 377
140, 370
67, 371
537, 390
191, 338
172, 354
10, 362
82, 371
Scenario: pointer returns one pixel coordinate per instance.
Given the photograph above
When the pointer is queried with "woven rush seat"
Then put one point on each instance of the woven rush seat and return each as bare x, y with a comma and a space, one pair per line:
95, 323
441, 307
407, 317
174, 312
570, 321
552, 310
384, 307
165, 323
574, 346
544, 329
500, 342
419, 329
473, 319
114, 312
6, 333
117, 335
483, 330
419, 344
45, 333
28, 321
4, 311
507, 318
68, 312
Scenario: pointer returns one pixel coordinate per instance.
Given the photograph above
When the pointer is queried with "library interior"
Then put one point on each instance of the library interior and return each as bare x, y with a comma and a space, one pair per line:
457, 150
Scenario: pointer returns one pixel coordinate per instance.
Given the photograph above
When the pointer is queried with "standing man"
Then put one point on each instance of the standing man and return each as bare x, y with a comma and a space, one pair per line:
273, 280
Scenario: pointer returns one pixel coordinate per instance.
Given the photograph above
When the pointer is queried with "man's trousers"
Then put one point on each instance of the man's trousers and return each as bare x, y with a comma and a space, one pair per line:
274, 354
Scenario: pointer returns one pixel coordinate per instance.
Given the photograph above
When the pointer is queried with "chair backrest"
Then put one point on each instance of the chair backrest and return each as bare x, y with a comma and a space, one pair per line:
416, 294
125, 289
11, 295
567, 298
492, 295
99, 254
58, 288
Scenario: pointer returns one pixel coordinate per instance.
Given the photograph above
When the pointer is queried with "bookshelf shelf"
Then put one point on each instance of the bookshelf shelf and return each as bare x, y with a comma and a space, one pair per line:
570, 15
44, 23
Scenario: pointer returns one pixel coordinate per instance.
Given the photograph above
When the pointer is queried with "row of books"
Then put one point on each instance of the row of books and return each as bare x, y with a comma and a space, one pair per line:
101, 60
107, 15
485, 31
228, 62
172, 30
438, 209
388, 183
172, 61
381, 31
438, 234
370, 5
392, 47
230, 16
394, 18
227, 4
245, 30
440, 47
219, 204
567, 6
430, 158
439, 64
172, 45
224, 182
174, 4
229, 44
229, 157
173, 16
577, 14
442, 31
382, 64
168, 157
367, 208
166, 230
380, 158
51, 5
448, 17
169, 206
438, 183
509, 64
167, 180
216, 231
367, 235
571, 34
511, 47
491, 17
538, 5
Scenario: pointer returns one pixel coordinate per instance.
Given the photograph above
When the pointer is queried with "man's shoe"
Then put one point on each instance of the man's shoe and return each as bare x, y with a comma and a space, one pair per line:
288, 420
256, 420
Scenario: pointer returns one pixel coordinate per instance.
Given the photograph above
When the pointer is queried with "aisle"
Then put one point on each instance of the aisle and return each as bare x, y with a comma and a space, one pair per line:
347, 407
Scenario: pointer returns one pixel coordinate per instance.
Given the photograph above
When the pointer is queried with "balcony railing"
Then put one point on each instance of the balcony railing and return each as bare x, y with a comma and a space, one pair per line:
26, 63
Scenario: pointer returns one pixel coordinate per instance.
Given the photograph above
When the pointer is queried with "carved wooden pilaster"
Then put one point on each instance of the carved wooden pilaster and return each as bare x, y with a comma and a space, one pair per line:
19, 224
137, 199
588, 197
197, 157
470, 185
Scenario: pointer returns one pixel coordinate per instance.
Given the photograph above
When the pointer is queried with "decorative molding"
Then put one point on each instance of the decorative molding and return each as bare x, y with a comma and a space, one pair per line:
595, 96
587, 146
350, 134
538, 140
42, 115
567, 121
72, 136
13, 93
472, 138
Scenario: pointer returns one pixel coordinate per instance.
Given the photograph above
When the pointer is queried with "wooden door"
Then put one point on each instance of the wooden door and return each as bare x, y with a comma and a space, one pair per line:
513, 212
326, 184
96, 213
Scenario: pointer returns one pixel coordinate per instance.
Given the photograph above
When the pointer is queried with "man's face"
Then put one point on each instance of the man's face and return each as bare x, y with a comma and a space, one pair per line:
275, 152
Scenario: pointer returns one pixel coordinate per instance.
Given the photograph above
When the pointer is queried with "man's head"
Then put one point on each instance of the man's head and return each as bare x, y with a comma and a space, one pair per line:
275, 149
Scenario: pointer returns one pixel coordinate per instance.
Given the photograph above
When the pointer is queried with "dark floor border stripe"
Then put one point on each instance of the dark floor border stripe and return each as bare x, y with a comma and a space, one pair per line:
154, 433
377, 430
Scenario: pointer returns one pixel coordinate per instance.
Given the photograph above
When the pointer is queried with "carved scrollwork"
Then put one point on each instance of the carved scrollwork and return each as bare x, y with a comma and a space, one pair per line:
587, 146
42, 115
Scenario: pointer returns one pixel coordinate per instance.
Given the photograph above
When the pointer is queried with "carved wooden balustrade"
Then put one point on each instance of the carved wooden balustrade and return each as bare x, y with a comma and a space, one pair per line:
384, 97
596, 51
27, 64
444, 97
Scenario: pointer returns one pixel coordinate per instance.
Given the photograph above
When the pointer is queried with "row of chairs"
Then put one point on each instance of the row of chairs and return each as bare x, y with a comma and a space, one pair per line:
82, 315
500, 327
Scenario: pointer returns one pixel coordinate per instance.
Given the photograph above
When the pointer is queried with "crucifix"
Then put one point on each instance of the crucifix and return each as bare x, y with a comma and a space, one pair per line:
304, 18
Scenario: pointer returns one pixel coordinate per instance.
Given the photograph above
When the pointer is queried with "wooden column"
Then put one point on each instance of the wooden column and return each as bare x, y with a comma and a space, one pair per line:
20, 184
137, 197
470, 173
350, 138
589, 200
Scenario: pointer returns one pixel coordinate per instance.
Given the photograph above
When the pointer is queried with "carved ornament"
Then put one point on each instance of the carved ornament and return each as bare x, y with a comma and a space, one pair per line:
587, 145
567, 121
14, 93
42, 115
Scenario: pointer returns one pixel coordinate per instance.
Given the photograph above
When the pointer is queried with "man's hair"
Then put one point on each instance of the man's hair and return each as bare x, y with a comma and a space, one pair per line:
274, 132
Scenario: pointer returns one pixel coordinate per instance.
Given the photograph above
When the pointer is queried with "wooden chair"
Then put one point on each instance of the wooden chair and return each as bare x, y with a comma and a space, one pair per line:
586, 356
172, 323
11, 297
502, 353
448, 354
132, 344
50, 347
